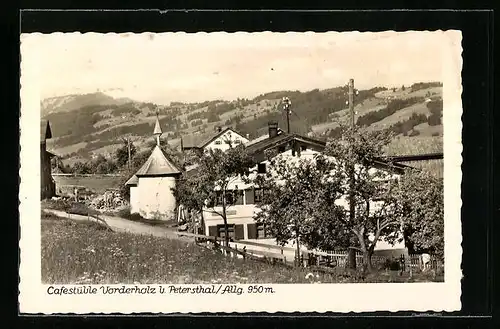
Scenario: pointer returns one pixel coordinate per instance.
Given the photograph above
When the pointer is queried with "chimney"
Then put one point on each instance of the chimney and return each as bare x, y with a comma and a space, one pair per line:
273, 129
218, 129
248, 136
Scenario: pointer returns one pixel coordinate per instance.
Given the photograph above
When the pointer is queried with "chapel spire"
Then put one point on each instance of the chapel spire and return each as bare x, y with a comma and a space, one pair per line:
157, 131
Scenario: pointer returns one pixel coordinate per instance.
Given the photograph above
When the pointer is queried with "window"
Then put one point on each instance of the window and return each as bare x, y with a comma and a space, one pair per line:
261, 168
261, 231
237, 141
221, 232
249, 196
258, 195
218, 199
218, 142
238, 197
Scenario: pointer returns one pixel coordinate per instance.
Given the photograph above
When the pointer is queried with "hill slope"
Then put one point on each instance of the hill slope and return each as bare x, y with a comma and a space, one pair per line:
86, 125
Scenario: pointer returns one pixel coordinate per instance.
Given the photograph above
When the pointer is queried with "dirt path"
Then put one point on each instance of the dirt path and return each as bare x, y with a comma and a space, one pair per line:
119, 224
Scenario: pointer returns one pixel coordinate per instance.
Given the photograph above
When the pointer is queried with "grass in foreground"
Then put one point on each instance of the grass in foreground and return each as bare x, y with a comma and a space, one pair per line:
85, 253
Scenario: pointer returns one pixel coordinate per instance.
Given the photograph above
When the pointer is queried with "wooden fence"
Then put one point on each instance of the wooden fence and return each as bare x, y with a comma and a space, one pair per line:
330, 259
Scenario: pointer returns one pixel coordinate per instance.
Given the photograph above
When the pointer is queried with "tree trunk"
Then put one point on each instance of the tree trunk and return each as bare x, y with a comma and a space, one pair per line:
202, 222
224, 217
298, 245
367, 260
351, 258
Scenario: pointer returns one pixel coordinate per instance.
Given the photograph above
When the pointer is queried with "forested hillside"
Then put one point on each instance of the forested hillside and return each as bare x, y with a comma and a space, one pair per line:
85, 126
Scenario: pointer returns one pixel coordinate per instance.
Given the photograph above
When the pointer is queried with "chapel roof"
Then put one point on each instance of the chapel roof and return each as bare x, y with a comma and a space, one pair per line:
157, 164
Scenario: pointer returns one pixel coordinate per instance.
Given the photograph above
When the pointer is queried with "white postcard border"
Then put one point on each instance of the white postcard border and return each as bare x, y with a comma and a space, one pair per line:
363, 297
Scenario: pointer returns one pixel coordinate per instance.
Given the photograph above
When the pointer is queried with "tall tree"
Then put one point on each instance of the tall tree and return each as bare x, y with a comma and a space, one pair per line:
122, 154
289, 200
372, 191
211, 181
421, 210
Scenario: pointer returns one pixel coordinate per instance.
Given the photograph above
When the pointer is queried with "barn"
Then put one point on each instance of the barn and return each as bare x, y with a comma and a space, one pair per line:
48, 186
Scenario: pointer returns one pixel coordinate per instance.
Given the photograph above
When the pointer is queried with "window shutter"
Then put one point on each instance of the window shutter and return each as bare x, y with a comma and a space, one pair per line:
238, 232
212, 230
249, 196
252, 231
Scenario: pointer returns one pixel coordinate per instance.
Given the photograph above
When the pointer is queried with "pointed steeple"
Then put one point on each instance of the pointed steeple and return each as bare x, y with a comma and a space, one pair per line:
157, 131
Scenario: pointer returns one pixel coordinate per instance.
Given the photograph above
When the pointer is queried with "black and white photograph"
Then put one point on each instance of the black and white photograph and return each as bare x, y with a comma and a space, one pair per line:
240, 170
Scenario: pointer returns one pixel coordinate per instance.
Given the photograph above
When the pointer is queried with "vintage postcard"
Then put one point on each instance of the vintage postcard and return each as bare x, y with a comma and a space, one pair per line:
240, 172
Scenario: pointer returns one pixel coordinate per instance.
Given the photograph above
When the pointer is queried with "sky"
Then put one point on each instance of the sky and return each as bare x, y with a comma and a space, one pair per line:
194, 67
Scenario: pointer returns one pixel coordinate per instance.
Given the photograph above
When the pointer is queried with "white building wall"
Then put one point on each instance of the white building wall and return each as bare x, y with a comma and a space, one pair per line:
221, 142
156, 198
244, 214
134, 200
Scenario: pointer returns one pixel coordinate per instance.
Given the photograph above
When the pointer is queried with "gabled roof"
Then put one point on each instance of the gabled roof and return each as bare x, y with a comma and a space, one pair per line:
45, 131
157, 164
257, 150
200, 141
263, 137
283, 139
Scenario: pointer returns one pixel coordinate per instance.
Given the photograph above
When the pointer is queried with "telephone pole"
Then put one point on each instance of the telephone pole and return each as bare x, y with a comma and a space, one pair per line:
286, 107
128, 147
352, 206
351, 102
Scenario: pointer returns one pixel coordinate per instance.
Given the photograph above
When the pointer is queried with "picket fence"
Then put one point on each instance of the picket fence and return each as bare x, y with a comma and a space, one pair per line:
286, 255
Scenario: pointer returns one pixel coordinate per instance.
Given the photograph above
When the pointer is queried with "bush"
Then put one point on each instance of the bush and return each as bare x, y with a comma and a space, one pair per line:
125, 213
392, 265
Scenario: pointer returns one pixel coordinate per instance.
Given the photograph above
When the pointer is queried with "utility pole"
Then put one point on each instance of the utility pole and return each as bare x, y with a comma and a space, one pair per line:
352, 206
351, 102
128, 146
286, 107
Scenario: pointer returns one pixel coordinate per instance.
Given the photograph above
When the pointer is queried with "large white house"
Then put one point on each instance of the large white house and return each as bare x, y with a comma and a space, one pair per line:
242, 225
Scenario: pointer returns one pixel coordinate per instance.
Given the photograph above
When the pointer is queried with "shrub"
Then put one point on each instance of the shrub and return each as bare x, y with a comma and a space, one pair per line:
392, 265
125, 213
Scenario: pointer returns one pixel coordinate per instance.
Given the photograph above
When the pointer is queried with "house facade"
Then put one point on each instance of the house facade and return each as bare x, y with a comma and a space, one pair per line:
240, 215
48, 185
221, 139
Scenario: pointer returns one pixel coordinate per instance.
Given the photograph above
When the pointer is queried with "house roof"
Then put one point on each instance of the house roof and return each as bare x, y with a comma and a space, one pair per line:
415, 157
134, 180
45, 131
261, 138
157, 164
258, 148
282, 139
200, 141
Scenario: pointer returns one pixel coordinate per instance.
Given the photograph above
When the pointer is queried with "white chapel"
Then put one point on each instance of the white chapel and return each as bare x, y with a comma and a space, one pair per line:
151, 194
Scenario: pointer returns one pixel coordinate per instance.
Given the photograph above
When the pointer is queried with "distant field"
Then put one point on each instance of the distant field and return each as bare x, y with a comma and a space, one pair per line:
405, 145
96, 183
400, 116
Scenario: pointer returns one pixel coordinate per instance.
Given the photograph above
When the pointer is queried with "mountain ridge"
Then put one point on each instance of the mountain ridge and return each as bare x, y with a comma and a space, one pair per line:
95, 123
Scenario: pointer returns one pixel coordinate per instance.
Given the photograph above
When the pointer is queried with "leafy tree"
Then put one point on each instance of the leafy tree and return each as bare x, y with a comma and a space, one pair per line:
290, 204
370, 192
121, 153
210, 182
421, 210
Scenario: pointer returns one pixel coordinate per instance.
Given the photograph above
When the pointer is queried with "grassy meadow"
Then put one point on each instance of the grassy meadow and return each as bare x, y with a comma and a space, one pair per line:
86, 253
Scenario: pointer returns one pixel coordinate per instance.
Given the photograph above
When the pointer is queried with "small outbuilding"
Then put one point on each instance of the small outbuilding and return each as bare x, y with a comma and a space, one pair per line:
48, 186
151, 186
